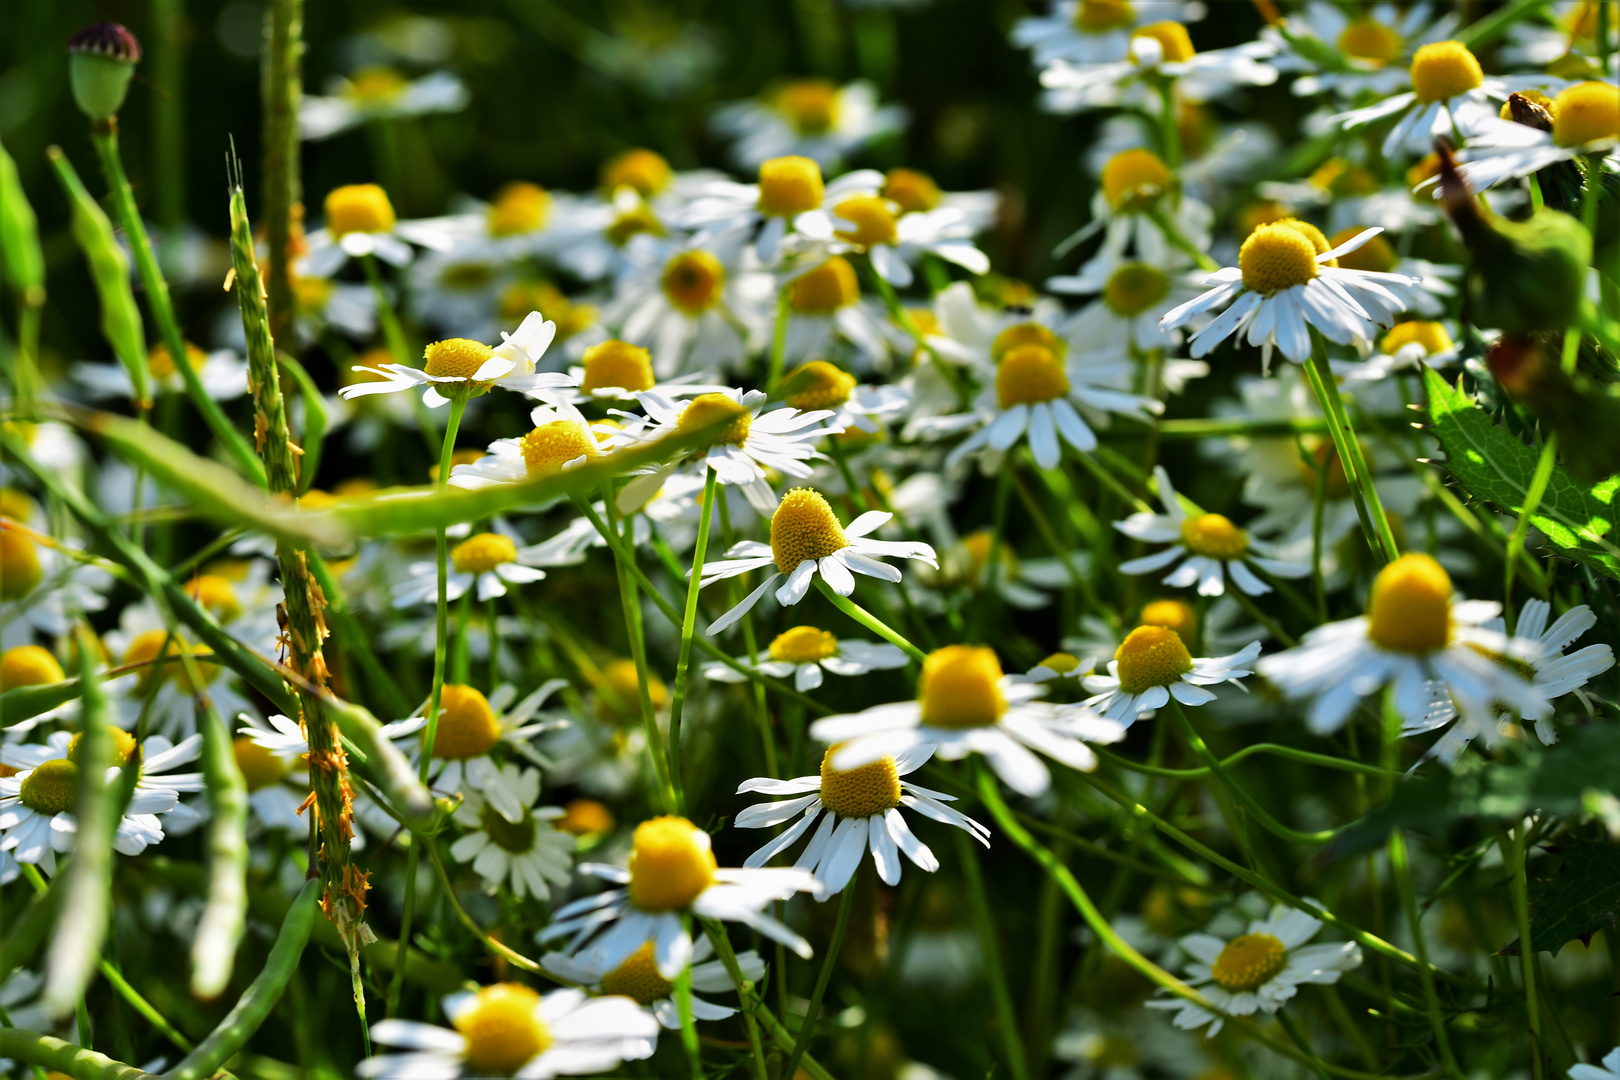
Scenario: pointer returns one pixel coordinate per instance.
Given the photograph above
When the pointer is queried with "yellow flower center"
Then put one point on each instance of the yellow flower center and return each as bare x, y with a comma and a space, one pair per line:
617, 364
960, 687
16, 504
124, 747
712, 410
671, 863
859, 792
1338, 484
1248, 961
28, 665
1061, 662
260, 767
1135, 287
216, 595
358, 208
52, 788
1275, 257
643, 170
804, 527
1431, 335
375, 85
1101, 16
519, 207
467, 725
913, 191
1409, 609
817, 385
1029, 374
1214, 535
873, 220
1151, 656
803, 645
456, 358
824, 290
1443, 70
503, 1029
1029, 333
694, 281
1177, 615
552, 445
633, 221
620, 697
1173, 40
482, 553
585, 817
1586, 113
1134, 178
1375, 255
20, 569
977, 544
161, 364
146, 646
637, 978
1368, 39
788, 186
810, 105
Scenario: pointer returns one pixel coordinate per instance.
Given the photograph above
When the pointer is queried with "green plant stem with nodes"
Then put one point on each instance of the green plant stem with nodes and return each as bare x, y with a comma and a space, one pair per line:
1374, 522
870, 621
1401, 871
984, 923
64, 1057
807, 1030
683, 664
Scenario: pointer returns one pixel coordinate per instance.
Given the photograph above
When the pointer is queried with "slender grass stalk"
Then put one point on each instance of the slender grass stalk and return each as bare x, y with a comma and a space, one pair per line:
773, 372
1514, 851
1374, 522
1326, 761
281, 87
683, 1005
870, 621
807, 1031
1401, 871
1532, 500
995, 976
688, 629
1239, 792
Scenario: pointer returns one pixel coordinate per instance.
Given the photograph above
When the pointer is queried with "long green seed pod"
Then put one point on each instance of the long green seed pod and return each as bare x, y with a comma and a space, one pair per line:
27, 702
23, 263
282, 88
255, 1004
213, 950
109, 269
66, 1058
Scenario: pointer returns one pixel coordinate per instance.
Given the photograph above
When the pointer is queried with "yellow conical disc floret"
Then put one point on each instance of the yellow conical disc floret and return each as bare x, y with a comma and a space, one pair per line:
817, 385
1215, 536
585, 817
456, 358
1375, 255
1370, 40
260, 766
124, 747
1319, 241
503, 1029
29, 665
482, 553
1029, 333
804, 527
862, 791
1443, 70
728, 418
824, 290
20, 569
1248, 962
467, 725
960, 686
1030, 374
16, 505
1586, 113
803, 645
1061, 662
358, 208
617, 364
554, 444
1276, 256
375, 85
1177, 615
519, 207
1102, 16
643, 170
1172, 37
872, 219
671, 863
52, 788
1431, 335
810, 105
788, 186
216, 595
1151, 656
1409, 609
914, 192
694, 281
1133, 177
1134, 288
637, 978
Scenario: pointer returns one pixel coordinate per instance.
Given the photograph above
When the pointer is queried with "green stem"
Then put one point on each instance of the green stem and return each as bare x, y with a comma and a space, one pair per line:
282, 87
1532, 500
828, 962
985, 923
870, 621
64, 1057
1325, 761
1401, 871
688, 630
773, 374
745, 990
1374, 522
1514, 852
683, 1004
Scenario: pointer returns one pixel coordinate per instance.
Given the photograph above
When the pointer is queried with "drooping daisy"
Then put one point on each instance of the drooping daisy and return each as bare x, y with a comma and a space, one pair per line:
1084, 32
378, 93
1133, 206
825, 308
467, 368
1285, 285
223, 374
1418, 638
862, 807
510, 1030
1157, 52
360, 221
805, 651
490, 561
1259, 970
810, 118
1206, 550
1585, 119
894, 239
966, 705
1152, 665
1377, 44
671, 872
806, 539
1450, 96
529, 855
637, 978
1540, 659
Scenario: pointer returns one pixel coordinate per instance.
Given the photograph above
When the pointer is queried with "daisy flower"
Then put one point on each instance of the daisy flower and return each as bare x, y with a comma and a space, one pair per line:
490, 561
1259, 970
1407, 346
1131, 209
461, 367
1450, 96
46, 588
810, 118
862, 807
788, 188
1084, 32
510, 1030
141, 637
360, 221
855, 406
1227, 627
1288, 283
894, 239
1206, 550
603, 750
1152, 665
807, 539
1157, 52
671, 873
525, 854
1539, 41
1539, 658
561, 439
966, 705
825, 307
277, 782
223, 374
378, 93
1377, 44
614, 371
1608, 1070
637, 978
1585, 119
1418, 638
32, 665
1131, 297
1023, 583
804, 652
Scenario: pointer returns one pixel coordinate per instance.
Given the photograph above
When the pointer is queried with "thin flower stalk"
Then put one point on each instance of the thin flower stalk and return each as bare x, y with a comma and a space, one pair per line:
807, 1028
688, 629
1374, 521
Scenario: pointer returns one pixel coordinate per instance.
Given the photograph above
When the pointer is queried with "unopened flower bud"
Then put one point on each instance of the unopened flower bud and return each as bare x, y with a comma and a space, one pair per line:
101, 60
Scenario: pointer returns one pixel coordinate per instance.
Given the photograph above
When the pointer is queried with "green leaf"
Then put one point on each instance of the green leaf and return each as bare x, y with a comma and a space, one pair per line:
1494, 466
27, 702
1579, 899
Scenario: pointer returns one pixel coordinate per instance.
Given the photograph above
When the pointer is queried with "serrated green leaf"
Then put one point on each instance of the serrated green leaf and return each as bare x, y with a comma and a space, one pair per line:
1495, 467
1579, 899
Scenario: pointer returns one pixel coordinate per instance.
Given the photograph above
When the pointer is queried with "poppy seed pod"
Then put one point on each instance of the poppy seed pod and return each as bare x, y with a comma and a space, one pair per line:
101, 59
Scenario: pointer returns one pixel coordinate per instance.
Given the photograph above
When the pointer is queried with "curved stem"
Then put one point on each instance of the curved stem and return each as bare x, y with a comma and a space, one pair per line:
828, 962
66, 1058
870, 621
1326, 761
